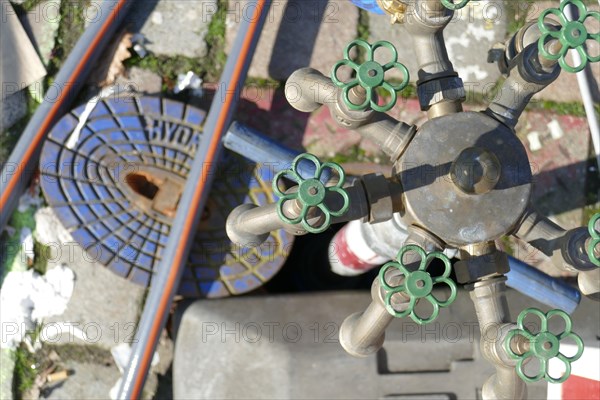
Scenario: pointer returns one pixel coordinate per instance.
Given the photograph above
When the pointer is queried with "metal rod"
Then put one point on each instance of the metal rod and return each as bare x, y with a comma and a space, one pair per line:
391, 135
439, 88
586, 94
536, 227
563, 247
307, 89
426, 31
22, 163
363, 333
165, 283
530, 74
517, 90
489, 298
249, 225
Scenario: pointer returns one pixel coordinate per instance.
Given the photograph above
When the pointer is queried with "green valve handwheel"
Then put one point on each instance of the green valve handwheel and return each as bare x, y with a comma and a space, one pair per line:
311, 193
595, 234
455, 6
417, 284
572, 35
370, 75
544, 345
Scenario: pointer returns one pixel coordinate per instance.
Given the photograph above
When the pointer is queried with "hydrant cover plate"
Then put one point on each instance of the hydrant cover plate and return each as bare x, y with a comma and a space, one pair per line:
114, 174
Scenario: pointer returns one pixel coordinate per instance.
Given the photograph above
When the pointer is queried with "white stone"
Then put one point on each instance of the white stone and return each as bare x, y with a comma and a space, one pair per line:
534, 141
48, 228
27, 298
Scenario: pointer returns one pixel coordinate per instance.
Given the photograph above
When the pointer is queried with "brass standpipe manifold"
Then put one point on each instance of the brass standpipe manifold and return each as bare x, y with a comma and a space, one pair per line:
461, 181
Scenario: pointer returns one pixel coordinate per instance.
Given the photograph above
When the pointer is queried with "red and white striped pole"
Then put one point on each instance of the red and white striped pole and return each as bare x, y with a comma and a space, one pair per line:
351, 252
360, 246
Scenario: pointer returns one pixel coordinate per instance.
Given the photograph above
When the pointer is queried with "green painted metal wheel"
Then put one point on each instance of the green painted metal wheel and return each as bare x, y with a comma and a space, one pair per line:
311, 193
571, 35
370, 75
543, 346
417, 285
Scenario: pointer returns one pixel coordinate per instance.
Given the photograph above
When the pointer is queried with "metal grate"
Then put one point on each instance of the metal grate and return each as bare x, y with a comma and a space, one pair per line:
114, 180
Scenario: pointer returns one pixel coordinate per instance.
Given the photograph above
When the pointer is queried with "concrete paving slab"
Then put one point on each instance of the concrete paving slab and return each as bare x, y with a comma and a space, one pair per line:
173, 27
558, 148
297, 33
104, 306
287, 347
566, 88
323, 134
257, 107
141, 80
12, 109
316, 132
41, 24
89, 381
469, 36
20, 65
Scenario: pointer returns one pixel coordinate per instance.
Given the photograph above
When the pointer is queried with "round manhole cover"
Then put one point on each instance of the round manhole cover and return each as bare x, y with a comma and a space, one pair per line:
115, 182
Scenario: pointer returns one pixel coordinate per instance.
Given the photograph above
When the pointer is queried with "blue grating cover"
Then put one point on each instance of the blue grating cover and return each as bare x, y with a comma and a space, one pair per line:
115, 182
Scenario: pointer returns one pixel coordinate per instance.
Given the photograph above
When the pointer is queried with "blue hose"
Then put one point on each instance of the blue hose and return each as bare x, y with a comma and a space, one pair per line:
261, 149
546, 289
368, 5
